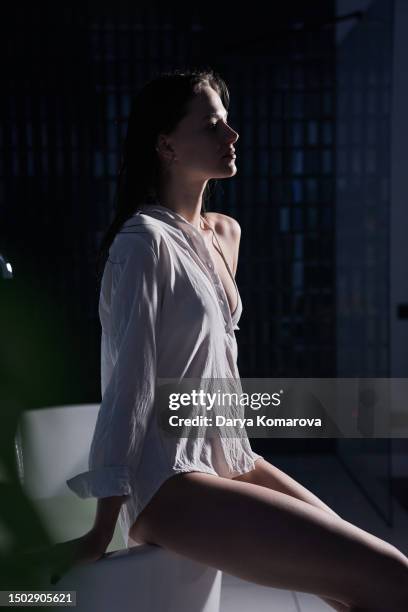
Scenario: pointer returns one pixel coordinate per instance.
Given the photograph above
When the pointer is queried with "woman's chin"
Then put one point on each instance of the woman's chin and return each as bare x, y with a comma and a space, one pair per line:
233, 170
230, 169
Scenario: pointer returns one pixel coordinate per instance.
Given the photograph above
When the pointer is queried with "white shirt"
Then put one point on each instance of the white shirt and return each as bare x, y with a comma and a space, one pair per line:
164, 314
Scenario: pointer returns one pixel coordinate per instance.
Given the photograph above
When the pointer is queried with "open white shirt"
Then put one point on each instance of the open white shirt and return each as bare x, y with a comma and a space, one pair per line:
164, 314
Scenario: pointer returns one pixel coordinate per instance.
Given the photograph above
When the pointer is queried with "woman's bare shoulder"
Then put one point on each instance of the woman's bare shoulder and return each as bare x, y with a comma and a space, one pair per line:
224, 224
229, 232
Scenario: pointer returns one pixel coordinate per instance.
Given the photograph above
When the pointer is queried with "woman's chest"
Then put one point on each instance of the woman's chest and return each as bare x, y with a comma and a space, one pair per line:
198, 289
220, 267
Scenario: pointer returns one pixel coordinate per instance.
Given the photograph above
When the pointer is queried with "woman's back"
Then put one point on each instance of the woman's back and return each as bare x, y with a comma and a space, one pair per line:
164, 315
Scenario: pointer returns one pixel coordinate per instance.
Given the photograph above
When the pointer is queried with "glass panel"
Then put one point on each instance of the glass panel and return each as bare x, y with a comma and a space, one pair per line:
284, 219
363, 65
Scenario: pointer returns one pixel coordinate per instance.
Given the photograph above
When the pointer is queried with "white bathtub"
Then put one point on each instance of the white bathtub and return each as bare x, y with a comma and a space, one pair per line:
52, 446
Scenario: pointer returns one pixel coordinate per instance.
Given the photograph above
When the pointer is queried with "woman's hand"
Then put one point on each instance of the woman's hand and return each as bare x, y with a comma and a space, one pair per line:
61, 557
85, 549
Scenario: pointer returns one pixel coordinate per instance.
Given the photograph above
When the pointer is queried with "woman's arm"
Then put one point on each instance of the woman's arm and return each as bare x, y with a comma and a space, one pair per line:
128, 395
107, 513
89, 547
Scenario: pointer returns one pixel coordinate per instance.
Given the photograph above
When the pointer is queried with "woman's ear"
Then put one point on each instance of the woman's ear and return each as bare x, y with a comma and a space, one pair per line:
165, 149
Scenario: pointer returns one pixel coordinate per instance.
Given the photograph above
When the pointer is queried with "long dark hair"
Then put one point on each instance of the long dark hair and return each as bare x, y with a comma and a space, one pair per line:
157, 108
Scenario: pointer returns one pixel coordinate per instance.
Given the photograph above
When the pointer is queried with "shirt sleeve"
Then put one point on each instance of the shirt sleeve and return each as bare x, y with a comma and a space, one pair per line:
129, 395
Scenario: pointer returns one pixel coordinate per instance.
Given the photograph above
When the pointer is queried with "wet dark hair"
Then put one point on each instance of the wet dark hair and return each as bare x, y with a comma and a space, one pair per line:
157, 109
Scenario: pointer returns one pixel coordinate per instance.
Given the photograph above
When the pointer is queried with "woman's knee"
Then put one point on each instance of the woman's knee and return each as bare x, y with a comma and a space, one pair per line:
398, 570
384, 574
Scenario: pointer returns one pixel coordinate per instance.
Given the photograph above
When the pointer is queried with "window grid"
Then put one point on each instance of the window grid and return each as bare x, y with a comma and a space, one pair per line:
64, 153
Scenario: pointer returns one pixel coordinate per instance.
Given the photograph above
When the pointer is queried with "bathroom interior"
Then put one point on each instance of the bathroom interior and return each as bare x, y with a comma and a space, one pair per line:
318, 95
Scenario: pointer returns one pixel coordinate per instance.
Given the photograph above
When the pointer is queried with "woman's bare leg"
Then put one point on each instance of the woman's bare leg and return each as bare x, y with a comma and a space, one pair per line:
268, 475
272, 539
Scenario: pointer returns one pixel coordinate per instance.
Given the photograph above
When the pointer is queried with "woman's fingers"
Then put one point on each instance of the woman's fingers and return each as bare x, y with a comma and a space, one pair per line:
85, 549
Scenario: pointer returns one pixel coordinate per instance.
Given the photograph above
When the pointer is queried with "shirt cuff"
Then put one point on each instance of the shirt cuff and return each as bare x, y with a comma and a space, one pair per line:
103, 482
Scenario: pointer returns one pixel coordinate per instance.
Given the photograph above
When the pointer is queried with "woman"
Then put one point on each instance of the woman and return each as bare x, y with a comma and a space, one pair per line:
169, 306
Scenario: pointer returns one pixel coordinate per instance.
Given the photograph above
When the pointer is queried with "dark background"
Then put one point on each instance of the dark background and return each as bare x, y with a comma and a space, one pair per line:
69, 75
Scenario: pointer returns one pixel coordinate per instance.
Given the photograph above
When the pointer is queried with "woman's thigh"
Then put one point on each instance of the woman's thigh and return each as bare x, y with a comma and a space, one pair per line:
267, 475
268, 538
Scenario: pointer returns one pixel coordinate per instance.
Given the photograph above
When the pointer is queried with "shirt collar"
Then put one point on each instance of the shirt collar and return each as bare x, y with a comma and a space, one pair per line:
163, 211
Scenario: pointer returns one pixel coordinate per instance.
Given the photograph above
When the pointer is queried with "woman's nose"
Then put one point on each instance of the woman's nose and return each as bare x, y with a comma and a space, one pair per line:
233, 135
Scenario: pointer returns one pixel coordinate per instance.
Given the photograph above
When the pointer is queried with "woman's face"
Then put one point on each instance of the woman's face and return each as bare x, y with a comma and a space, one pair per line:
202, 138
